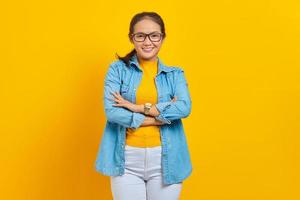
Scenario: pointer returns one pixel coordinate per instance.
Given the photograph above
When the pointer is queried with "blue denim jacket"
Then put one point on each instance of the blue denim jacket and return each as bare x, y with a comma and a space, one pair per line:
170, 81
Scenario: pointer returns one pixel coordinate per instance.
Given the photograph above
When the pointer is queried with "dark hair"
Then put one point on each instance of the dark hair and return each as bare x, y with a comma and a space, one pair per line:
136, 18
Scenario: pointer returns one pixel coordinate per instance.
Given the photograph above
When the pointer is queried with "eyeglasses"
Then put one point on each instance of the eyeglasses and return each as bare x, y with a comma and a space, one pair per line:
140, 37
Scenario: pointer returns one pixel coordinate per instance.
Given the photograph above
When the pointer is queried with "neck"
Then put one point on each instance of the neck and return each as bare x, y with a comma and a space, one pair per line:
147, 61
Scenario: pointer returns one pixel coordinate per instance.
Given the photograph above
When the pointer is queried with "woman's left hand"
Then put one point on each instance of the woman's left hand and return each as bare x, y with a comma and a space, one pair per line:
121, 102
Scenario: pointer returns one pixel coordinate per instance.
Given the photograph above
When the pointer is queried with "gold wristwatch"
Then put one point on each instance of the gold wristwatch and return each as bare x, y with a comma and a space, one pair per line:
147, 107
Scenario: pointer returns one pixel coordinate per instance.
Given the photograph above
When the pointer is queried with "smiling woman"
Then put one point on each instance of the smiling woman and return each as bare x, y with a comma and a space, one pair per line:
144, 149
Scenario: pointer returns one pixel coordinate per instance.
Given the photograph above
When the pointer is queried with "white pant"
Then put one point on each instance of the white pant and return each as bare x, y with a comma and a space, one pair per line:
142, 179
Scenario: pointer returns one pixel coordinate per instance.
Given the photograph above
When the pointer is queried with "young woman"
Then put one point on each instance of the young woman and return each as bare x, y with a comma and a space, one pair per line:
144, 148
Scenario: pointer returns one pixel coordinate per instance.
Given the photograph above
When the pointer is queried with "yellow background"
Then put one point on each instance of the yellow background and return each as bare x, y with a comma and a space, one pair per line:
241, 60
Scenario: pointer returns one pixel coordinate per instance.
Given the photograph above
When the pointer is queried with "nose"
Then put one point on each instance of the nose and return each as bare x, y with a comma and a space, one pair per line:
147, 40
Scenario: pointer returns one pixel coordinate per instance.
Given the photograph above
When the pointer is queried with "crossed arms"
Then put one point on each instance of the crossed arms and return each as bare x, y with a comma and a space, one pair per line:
130, 115
149, 119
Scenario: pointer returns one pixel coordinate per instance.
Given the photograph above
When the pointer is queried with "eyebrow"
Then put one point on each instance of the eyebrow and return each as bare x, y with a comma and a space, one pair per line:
148, 33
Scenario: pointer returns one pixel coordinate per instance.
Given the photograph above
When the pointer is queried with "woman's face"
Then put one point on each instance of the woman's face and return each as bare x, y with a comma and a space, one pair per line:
147, 50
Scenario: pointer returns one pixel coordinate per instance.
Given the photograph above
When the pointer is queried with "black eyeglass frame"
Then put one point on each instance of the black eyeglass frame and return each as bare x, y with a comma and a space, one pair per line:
147, 35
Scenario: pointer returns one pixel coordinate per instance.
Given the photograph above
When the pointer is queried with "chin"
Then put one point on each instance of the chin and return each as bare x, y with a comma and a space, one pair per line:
147, 56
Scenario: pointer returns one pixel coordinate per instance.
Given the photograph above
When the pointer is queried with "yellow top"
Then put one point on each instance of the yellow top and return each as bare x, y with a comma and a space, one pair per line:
145, 136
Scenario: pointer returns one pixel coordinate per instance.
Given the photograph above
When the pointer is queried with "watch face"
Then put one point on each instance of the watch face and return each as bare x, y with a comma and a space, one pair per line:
148, 104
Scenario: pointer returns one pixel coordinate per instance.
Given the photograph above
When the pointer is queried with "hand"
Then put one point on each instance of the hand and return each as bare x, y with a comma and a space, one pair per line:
121, 102
174, 99
151, 121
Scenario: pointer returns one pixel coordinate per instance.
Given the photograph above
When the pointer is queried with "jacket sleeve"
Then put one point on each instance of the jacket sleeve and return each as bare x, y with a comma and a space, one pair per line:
119, 115
181, 108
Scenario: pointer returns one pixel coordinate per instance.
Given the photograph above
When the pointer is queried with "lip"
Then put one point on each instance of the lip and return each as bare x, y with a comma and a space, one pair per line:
148, 49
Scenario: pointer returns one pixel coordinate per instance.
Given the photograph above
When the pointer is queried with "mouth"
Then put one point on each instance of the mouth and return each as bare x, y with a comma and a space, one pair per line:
148, 49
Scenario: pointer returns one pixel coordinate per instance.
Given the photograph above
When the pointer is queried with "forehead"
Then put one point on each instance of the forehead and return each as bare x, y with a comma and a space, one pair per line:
146, 26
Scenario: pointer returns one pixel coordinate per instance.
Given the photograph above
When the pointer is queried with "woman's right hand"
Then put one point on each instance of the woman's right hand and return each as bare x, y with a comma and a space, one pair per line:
174, 99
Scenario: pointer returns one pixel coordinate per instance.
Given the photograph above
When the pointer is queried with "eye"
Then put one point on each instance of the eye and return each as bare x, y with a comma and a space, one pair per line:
155, 35
139, 35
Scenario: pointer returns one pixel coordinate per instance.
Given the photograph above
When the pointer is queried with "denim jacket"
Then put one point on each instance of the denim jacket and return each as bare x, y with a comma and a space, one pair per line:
170, 81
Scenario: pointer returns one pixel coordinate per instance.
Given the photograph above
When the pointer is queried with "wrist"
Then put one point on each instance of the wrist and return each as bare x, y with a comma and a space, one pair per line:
140, 108
157, 122
147, 108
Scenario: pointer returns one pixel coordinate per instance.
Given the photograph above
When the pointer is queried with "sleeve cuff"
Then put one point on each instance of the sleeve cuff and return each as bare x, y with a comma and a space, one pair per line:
161, 107
137, 120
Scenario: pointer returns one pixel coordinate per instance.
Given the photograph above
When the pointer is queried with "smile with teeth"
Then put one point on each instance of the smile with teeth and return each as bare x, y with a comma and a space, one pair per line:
147, 49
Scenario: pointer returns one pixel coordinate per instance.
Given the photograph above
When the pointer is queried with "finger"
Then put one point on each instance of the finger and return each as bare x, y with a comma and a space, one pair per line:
117, 105
118, 100
114, 94
119, 95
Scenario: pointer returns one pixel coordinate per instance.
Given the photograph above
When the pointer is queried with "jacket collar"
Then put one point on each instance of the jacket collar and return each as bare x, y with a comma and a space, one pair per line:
161, 66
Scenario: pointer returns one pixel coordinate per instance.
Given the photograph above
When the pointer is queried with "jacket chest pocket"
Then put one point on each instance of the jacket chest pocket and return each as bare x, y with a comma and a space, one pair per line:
167, 88
167, 96
124, 91
125, 88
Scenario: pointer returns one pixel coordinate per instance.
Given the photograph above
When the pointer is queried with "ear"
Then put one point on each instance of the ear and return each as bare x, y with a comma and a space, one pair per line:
130, 39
